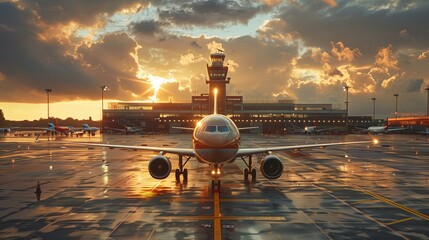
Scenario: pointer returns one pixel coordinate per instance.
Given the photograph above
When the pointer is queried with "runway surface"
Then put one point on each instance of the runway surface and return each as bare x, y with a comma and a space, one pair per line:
344, 192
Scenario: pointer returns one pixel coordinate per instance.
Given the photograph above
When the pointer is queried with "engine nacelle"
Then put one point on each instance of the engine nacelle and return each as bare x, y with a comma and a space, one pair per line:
159, 167
271, 167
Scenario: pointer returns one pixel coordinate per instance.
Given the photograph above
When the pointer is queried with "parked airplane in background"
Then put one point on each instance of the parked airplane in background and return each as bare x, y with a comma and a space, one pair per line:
126, 130
382, 129
425, 132
316, 130
216, 141
88, 129
4, 131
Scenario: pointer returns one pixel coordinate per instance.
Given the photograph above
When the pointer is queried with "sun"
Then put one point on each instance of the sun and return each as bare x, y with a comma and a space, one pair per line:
157, 83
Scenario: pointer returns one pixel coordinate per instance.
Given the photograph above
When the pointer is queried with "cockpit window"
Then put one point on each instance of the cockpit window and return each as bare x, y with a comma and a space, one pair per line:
223, 128
216, 129
210, 129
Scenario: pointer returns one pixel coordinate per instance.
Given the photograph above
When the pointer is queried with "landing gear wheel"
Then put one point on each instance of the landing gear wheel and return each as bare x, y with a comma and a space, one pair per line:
213, 185
253, 175
177, 174
246, 174
185, 174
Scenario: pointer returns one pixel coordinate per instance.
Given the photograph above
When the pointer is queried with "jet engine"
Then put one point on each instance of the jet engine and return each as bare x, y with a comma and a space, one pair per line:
271, 167
159, 167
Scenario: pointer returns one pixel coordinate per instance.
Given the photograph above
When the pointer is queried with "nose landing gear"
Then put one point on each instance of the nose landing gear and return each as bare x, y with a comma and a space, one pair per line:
216, 174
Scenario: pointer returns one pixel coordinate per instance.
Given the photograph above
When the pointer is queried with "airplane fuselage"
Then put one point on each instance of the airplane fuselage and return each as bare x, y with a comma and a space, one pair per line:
216, 139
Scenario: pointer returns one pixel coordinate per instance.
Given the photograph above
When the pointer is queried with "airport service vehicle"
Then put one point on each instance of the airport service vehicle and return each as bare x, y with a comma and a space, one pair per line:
216, 141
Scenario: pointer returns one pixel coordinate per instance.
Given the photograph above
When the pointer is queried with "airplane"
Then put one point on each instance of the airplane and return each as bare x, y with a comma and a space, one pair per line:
425, 132
382, 129
126, 130
216, 141
316, 130
4, 131
88, 129
59, 129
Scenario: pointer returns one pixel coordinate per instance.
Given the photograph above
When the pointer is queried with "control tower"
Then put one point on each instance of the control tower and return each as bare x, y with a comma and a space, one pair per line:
217, 79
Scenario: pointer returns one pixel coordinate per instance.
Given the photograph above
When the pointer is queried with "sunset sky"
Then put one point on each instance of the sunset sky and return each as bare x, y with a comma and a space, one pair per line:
305, 50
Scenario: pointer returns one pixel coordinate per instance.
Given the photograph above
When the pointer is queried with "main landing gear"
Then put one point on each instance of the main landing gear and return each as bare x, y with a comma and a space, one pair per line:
181, 170
249, 170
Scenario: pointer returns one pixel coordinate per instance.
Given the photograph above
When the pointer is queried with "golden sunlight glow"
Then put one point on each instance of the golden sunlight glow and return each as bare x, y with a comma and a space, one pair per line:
156, 85
375, 141
215, 91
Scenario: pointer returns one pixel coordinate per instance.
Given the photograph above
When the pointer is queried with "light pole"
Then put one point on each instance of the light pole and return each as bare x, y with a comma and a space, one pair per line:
48, 90
427, 100
396, 95
373, 109
103, 88
346, 89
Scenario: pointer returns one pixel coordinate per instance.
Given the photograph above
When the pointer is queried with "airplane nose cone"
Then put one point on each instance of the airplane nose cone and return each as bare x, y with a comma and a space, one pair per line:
217, 140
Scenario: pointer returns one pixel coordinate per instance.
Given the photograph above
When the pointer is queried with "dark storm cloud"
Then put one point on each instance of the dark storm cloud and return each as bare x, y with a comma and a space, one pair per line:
195, 44
212, 13
80, 11
147, 27
357, 26
30, 65
110, 60
414, 85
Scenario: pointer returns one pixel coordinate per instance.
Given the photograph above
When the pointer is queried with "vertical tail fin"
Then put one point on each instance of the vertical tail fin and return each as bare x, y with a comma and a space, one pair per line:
215, 101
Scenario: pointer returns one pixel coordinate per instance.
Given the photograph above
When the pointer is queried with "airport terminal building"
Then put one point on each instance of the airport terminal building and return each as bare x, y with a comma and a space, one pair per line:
284, 116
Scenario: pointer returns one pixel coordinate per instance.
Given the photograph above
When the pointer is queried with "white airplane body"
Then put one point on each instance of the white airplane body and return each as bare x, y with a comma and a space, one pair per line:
383, 129
216, 141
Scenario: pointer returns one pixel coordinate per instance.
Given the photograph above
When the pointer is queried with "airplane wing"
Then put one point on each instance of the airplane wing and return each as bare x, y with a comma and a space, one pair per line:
247, 128
183, 128
179, 151
266, 150
395, 130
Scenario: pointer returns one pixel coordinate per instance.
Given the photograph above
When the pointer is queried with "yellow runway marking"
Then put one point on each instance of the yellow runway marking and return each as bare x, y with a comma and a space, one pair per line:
212, 200
217, 228
388, 201
399, 221
366, 201
234, 218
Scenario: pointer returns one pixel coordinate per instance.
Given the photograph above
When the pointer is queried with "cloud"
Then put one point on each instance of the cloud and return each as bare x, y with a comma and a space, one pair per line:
423, 55
385, 58
212, 13
191, 58
343, 53
215, 47
332, 3
356, 22
147, 27
83, 12
414, 85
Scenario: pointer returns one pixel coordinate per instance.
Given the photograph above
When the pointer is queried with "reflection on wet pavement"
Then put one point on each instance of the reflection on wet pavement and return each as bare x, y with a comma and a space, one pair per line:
56, 190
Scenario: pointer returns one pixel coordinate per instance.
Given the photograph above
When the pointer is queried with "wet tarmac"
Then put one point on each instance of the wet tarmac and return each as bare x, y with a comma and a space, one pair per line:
344, 192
